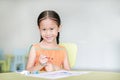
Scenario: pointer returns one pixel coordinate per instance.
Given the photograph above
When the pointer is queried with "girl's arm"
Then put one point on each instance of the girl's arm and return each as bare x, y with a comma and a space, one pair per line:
52, 67
30, 64
66, 63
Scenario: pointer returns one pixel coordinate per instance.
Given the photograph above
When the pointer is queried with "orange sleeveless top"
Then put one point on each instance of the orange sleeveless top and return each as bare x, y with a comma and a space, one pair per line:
55, 56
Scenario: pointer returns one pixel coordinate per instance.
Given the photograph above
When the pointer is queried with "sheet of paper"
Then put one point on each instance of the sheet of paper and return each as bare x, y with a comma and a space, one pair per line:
57, 74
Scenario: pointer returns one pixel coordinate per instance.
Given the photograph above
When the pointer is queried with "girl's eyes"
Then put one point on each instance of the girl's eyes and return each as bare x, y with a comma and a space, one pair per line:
50, 29
43, 29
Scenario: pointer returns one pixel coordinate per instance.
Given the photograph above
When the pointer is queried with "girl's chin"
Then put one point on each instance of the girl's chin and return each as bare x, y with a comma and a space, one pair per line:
49, 41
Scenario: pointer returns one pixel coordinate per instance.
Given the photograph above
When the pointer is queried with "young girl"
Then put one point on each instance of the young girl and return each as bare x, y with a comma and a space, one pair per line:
48, 55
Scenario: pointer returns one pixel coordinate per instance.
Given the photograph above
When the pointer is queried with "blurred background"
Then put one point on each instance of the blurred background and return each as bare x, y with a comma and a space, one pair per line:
94, 25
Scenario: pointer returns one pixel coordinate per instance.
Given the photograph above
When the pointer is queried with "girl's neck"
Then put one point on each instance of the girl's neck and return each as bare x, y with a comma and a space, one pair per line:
48, 45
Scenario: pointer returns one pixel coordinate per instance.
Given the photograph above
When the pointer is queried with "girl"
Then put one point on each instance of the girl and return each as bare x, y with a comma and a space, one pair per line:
48, 55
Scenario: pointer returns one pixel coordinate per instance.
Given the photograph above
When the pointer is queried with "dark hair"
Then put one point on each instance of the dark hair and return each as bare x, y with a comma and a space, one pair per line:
51, 15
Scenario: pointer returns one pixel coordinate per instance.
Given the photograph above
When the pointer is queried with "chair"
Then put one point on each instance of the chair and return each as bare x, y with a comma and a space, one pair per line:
8, 61
2, 61
19, 60
72, 51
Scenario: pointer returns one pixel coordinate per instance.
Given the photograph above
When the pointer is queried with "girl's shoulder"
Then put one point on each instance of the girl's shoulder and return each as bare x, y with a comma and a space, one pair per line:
36, 46
62, 47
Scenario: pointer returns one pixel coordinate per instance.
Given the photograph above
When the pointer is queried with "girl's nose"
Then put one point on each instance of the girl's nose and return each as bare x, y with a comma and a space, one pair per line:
48, 32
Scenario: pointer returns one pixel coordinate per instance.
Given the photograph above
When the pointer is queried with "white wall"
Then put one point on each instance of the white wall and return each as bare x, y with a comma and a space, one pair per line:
93, 24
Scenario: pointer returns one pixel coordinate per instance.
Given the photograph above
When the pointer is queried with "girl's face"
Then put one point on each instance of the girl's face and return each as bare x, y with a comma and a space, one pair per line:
49, 30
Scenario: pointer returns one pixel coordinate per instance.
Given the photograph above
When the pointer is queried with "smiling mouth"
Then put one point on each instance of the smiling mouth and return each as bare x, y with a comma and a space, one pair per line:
48, 37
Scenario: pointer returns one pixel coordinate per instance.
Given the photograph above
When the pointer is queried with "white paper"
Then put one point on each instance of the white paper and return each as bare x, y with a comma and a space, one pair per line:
25, 72
57, 74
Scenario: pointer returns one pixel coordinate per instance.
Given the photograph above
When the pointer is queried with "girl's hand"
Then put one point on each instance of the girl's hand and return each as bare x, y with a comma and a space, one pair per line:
49, 67
52, 67
43, 59
56, 68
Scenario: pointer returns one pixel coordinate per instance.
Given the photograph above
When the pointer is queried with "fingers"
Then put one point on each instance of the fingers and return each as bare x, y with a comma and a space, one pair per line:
43, 59
49, 67
42, 56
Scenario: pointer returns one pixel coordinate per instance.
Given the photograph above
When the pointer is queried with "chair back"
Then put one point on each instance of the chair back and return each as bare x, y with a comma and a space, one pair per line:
19, 55
72, 51
19, 61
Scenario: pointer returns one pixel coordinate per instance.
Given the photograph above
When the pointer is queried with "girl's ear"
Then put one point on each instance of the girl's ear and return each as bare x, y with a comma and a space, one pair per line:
59, 28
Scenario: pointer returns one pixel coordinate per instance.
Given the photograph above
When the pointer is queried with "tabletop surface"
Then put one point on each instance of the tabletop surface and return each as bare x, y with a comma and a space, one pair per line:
94, 75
